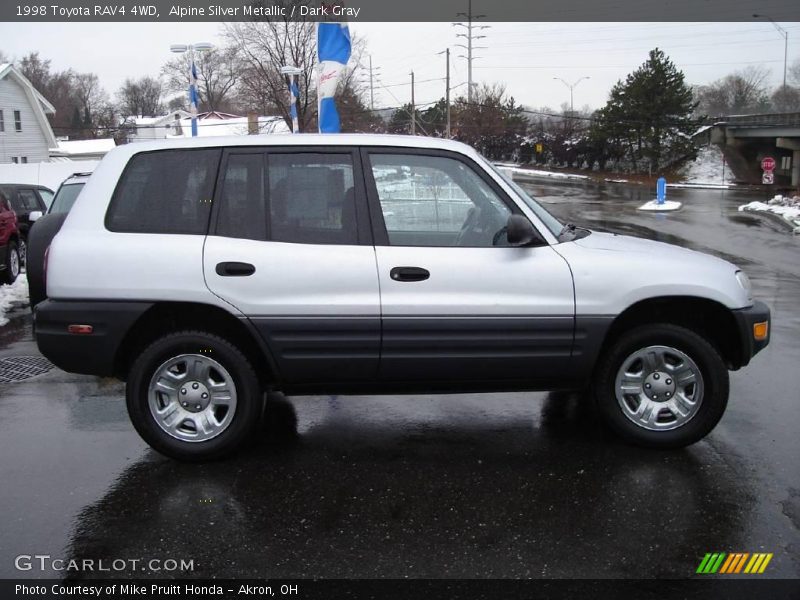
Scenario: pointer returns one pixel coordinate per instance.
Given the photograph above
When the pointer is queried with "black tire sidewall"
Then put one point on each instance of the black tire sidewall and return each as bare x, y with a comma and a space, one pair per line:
249, 403
7, 277
708, 360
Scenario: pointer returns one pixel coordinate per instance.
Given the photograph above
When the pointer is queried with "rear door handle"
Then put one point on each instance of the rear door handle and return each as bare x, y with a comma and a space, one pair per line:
235, 269
409, 274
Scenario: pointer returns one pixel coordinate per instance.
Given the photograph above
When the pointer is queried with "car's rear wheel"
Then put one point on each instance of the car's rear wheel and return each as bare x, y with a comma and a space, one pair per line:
194, 396
11, 272
662, 386
23, 253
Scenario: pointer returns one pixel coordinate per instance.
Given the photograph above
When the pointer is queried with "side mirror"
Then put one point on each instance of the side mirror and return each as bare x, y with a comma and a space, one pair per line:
520, 232
35, 216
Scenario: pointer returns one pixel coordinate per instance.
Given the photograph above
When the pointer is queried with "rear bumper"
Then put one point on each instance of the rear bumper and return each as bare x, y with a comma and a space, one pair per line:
89, 354
746, 318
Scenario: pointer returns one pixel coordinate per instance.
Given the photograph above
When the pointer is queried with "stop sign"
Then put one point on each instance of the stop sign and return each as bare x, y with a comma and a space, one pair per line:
767, 163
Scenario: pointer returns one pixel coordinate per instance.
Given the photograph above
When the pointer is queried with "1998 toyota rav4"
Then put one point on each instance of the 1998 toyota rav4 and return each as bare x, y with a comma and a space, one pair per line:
204, 272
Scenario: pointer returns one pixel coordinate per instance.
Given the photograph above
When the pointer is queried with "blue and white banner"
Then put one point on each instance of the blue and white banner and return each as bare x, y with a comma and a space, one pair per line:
294, 92
193, 97
333, 52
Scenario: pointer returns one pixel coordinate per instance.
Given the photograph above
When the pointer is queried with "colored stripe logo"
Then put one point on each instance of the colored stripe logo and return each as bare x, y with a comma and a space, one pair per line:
734, 563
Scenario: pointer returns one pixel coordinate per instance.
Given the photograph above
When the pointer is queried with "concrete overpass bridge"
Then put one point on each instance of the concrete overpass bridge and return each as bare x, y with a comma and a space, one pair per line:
746, 139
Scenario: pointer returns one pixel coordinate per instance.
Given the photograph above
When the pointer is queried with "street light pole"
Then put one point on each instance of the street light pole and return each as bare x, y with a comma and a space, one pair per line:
193, 97
785, 35
571, 88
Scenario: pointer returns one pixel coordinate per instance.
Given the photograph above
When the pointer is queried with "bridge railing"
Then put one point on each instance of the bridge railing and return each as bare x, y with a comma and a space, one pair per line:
762, 120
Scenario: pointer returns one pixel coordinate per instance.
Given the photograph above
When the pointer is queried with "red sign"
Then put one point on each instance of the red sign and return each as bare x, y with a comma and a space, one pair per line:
767, 163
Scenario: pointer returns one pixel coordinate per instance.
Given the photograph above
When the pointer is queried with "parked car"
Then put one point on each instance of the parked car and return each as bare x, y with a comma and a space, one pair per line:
207, 271
45, 229
29, 202
9, 242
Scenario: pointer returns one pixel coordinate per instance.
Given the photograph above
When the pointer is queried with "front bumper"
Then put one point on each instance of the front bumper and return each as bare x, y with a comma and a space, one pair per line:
746, 319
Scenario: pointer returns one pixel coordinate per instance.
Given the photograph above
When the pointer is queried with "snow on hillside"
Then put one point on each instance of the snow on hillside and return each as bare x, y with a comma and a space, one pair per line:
708, 168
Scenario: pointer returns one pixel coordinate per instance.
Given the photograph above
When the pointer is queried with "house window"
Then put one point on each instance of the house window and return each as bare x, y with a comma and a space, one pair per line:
15, 160
2, 122
17, 120
786, 163
24, 160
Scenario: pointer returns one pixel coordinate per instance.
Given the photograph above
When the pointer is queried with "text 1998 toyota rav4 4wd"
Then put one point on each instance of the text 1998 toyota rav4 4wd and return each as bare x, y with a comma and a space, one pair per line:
205, 272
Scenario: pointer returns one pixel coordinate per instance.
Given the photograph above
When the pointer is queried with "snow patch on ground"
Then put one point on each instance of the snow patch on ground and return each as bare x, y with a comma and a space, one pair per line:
538, 173
786, 208
654, 206
12, 295
707, 169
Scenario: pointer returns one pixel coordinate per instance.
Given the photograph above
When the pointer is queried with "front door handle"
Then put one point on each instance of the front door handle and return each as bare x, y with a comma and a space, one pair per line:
235, 269
409, 274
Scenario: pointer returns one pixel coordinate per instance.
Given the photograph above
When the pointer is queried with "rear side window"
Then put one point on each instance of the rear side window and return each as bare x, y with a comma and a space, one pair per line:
301, 197
168, 191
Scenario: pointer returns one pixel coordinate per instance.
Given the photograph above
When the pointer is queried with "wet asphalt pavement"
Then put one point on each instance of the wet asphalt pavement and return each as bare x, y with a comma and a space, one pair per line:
523, 485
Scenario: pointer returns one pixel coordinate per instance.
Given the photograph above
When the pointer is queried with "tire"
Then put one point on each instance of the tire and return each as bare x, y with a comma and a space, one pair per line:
11, 272
661, 386
180, 422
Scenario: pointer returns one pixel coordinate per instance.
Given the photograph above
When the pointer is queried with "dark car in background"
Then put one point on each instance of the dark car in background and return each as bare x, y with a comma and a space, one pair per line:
26, 200
45, 230
9, 242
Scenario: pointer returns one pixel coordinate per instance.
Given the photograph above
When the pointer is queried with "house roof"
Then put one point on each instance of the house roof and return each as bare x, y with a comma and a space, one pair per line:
83, 147
41, 106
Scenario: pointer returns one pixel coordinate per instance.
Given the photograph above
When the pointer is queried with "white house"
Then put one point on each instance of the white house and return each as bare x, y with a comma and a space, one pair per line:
153, 128
25, 133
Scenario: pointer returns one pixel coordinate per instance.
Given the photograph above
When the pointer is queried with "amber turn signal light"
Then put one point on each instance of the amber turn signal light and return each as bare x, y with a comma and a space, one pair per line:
80, 329
760, 331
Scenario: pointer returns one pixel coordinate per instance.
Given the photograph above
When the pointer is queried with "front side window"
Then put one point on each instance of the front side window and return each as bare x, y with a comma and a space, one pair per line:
17, 120
167, 191
303, 197
437, 201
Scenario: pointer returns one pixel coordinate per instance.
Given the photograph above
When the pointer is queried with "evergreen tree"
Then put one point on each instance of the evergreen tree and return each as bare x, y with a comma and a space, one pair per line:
650, 115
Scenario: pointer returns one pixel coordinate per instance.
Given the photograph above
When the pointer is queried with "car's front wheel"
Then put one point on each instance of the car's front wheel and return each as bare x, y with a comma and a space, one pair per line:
661, 386
194, 396
11, 272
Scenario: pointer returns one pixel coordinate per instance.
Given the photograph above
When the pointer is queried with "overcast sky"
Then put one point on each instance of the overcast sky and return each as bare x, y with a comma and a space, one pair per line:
525, 57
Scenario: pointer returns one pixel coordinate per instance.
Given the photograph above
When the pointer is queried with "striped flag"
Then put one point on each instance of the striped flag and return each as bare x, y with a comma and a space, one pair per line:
295, 94
333, 52
193, 97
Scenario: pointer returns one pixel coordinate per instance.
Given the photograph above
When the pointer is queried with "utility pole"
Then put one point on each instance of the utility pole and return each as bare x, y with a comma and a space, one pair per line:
447, 94
371, 86
469, 47
413, 108
447, 90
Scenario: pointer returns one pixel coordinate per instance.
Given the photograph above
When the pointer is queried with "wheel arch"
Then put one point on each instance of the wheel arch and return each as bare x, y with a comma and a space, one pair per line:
166, 317
708, 318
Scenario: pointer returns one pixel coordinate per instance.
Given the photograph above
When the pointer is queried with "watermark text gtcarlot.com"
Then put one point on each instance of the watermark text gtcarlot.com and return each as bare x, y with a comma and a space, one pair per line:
45, 562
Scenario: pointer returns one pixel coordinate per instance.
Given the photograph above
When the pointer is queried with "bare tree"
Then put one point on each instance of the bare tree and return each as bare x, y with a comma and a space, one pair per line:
794, 73
744, 91
141, 97
263, 47
217, 76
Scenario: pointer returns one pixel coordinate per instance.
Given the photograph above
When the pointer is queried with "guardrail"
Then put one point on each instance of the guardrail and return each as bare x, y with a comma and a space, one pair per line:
768, 120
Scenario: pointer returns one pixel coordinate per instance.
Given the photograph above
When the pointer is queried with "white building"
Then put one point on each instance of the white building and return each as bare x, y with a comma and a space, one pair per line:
25, 133
145, 129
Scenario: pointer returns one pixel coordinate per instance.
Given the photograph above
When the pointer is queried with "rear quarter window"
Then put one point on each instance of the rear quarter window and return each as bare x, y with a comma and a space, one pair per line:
166, 191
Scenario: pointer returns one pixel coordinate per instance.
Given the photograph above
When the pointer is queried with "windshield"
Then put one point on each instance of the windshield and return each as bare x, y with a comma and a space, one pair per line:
549, 220
65, 198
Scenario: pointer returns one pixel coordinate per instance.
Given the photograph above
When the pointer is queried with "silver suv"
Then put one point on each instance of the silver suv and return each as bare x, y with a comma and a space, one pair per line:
207, 271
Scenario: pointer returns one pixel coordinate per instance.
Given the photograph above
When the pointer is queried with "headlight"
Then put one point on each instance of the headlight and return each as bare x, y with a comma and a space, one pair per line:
744, 281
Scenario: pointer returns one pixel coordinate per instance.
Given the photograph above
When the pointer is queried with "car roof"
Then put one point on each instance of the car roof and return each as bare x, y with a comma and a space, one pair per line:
303, 139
